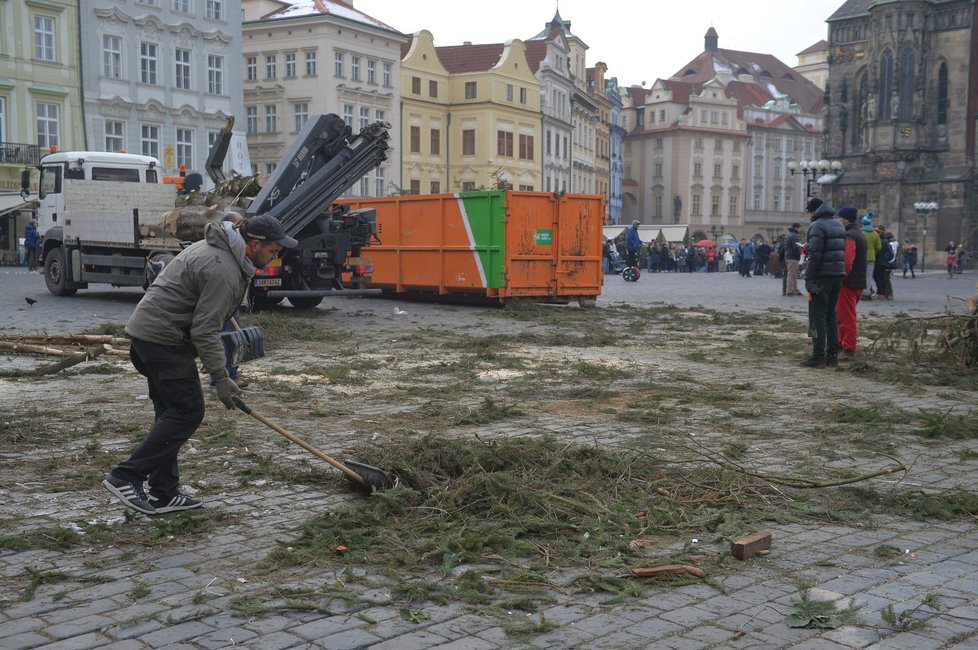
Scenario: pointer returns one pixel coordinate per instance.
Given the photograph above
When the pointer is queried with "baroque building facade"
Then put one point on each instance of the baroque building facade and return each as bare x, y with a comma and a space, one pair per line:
904, 93
301, 59
709, 146
161, 77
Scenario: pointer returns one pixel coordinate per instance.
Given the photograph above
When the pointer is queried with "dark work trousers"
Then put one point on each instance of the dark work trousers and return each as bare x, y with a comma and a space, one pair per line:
174, 387
825, 322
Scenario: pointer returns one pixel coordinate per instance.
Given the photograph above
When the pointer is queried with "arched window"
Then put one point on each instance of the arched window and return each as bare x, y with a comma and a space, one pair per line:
942, 94
907, 57
886, 85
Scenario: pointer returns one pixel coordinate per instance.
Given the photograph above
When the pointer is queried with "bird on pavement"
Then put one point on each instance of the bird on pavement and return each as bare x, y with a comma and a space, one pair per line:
30, 301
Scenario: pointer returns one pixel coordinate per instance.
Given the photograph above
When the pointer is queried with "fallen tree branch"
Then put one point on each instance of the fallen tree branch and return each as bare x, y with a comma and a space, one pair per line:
53, 368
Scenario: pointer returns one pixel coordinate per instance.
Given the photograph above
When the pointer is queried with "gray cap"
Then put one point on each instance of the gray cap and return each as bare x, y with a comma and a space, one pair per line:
636, 222
266, 228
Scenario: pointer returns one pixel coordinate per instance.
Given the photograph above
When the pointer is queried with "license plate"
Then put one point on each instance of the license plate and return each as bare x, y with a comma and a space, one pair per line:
268, 282
319, 255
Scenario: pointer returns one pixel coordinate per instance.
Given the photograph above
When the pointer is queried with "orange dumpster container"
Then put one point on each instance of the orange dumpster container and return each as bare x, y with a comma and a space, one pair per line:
489, 246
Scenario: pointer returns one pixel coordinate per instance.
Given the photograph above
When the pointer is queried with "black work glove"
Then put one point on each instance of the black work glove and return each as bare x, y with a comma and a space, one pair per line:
812, 286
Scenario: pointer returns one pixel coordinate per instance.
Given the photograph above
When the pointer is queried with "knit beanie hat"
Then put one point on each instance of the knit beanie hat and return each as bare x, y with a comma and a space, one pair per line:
848, 213
867, 219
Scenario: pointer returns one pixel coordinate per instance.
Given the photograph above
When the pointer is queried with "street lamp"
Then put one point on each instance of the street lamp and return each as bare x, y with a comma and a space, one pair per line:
924, 209
815, 169
716, 231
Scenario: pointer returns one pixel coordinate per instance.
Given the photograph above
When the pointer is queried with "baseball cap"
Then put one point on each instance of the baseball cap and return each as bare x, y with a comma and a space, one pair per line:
266, 228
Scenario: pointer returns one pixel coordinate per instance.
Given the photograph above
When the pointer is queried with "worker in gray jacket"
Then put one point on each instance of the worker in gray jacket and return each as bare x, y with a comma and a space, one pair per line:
178, 319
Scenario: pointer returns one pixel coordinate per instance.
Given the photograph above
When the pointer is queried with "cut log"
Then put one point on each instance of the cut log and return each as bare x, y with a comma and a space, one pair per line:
30, 348
651, 572
748, 547
73, 360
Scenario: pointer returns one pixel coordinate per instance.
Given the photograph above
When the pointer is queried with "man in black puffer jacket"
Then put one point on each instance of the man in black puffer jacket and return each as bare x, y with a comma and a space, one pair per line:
823, 281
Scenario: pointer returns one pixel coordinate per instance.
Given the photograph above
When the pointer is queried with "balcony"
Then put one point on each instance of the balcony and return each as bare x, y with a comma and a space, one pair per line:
15, 153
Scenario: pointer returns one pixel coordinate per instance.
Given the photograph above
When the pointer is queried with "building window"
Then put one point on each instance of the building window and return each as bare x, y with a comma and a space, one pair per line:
348, 114
658, 170
736, 146
181, 6
906, 82
301, 113
526, 147
717, 170
415, 146
715, 206
380, 116
251, 68
182, 70
733, 211
435, 144
757, 200
522, 95
886, 85
435, 187
251, 119
697, 169
415, 187
270, 67
698, 144
735, 171
111, 56
468, 142
214, 9
290, 65
371, 72
777, 202
147, 63
44, 38
548, 143
271, 118
149, 141
185, 148
504, 143
509, 92
114, 140
718, 145
725, 118
355, 68
416, 85
381, 182
432, 88
468, 186
364, 186
310, 64
387, 74
942, 94
696, 209
714, 117
658, 143
364, 117
657, 205
215, 74
471, 90
270, 168
758, 168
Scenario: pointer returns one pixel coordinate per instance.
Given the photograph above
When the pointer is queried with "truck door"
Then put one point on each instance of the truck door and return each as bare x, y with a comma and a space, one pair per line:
50, 198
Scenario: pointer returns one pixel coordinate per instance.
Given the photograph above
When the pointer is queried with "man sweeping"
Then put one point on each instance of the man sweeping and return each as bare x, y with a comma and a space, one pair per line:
178, 319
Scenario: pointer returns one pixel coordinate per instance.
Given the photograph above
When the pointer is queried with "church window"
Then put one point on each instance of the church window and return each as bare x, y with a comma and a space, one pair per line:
886, 85
906, 85
942, 94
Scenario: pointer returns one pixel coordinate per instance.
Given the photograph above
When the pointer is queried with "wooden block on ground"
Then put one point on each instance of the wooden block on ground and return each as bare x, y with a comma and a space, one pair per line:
748, 547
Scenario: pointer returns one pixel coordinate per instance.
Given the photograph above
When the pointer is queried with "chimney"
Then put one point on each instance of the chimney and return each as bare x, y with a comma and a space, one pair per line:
711, 40
466, 42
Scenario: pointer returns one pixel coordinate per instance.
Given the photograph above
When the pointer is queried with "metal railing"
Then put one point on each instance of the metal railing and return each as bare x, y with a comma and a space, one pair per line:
17, 153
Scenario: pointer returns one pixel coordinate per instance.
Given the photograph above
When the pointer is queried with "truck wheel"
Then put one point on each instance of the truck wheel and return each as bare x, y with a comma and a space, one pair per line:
55, 273
306, 303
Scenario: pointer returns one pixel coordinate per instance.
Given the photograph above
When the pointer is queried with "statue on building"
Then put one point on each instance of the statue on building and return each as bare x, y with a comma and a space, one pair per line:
894, 105
871, 108
918, 104
843, 118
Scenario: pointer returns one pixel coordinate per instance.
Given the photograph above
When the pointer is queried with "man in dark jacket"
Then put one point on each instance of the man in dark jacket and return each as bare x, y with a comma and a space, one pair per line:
854, 283
178, 319
823, 280
790, 250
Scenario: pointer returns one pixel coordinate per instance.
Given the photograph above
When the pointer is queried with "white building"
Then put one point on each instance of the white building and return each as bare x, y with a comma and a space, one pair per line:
310, 57
160, 77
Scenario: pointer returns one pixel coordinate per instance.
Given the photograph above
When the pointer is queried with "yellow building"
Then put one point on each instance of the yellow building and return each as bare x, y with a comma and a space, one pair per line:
470, 116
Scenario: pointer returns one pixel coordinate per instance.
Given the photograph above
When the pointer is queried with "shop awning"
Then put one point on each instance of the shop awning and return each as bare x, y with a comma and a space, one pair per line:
11, 202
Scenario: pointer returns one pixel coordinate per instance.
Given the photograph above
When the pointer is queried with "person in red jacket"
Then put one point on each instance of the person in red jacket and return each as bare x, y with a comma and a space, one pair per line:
854, 283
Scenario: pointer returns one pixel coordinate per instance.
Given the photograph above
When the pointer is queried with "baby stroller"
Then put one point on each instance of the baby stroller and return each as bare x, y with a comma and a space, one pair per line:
616, 262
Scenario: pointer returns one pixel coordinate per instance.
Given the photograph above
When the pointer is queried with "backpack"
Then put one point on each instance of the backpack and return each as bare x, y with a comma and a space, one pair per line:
885, 254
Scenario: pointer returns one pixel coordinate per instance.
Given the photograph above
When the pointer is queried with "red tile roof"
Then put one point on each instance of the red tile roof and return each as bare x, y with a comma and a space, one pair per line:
536, 52
469, 58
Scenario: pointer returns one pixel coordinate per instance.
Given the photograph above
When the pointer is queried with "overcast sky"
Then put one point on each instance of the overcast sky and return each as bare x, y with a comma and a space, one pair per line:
638, 40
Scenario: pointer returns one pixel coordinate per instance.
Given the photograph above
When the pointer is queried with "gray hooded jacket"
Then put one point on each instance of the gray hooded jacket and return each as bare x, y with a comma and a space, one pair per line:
194, 295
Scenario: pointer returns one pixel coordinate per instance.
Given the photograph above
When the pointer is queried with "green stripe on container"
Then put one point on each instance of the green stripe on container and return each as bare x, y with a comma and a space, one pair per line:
484, 214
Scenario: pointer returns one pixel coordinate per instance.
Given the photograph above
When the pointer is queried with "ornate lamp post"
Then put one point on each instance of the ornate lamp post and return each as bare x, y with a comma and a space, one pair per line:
924, 209
815, 169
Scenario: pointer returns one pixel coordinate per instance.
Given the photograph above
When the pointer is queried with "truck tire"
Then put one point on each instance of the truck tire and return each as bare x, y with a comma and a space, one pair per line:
306, 303
56, 273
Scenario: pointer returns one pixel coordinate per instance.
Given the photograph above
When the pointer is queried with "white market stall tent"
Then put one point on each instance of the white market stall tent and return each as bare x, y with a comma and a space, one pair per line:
672, 233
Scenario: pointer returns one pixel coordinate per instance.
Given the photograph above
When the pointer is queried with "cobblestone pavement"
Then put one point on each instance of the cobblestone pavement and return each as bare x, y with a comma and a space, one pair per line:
148, 591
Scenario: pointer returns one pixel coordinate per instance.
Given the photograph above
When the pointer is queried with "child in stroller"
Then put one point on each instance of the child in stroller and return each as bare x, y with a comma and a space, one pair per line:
615, 262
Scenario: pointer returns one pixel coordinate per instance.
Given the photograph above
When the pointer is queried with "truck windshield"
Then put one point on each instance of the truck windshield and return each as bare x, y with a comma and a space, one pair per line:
115, 174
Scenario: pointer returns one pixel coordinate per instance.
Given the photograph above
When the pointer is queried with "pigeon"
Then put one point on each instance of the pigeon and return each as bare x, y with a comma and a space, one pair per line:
30, 301
397, 311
